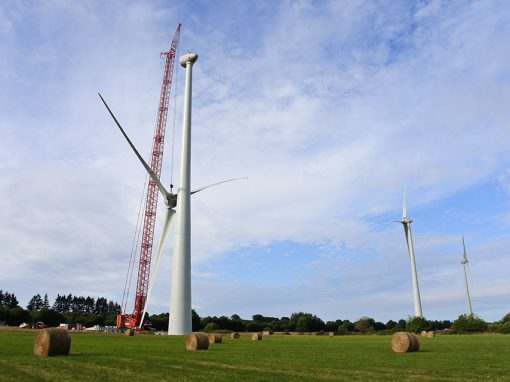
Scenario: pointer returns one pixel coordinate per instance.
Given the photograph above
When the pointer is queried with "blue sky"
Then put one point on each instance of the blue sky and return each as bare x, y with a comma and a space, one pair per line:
328, 107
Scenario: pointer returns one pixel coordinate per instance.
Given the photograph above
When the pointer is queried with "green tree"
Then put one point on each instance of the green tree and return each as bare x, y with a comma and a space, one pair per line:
59, 304
50, 317
313, 323
469, 324
160, 321
8, 300
417, 324
331, 326
378, 326
195, 321
101, 306
46, 302
4, 314
35, 304
17, 316
364, 324
302, 324
343, 329
236, 323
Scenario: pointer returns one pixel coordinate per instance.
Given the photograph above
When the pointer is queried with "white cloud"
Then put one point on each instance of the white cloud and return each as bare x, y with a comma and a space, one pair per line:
327, 109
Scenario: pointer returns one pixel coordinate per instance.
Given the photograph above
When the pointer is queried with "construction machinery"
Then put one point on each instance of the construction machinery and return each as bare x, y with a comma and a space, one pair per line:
135, 319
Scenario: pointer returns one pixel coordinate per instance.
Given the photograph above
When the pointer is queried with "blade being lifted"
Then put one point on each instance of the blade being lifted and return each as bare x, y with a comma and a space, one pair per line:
153, 176
214, 184
164, 233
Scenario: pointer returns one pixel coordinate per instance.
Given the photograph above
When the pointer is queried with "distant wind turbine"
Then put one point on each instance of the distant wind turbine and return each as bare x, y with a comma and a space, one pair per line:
406, 222
465, 265
179, 206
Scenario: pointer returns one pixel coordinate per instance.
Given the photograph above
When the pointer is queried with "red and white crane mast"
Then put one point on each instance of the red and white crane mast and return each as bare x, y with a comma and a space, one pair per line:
149, 221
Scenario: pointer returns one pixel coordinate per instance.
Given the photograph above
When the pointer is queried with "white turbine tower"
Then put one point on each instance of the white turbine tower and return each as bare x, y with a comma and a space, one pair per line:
464, 263
180, 308
180, 300
406, 222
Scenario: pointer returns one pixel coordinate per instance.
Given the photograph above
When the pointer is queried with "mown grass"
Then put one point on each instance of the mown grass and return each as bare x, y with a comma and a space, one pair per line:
112, 357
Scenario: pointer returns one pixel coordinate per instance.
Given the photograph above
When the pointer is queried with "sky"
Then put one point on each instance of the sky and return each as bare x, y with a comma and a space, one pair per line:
329, 108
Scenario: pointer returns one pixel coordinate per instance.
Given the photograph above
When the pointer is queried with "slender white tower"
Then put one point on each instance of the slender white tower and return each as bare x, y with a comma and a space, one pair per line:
406, 222
464, 263
180, 298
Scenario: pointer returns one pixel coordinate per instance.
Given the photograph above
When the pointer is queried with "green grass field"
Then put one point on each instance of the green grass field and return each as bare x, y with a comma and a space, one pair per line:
112, 357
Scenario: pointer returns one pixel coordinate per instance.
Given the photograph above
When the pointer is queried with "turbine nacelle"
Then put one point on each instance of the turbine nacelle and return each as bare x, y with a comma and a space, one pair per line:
189, 57
171, 200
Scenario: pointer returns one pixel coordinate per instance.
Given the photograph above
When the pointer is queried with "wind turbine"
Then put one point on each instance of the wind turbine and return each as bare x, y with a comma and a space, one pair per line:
464, 262
406, 222
177, 205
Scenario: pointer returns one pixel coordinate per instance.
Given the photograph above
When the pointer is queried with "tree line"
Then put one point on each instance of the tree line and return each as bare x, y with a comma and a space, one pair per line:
66, 309
307, 322
100, 311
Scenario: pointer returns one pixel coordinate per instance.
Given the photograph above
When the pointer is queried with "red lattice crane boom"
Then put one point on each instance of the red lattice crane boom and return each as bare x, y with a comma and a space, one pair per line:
149, 221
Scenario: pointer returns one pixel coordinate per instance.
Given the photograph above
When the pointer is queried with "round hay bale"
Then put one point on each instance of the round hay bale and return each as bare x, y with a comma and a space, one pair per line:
234, 336
331, 334
403, 342
197, 341
129, 332
256, 337
424, 333
50, 342
415, 342
215, 338
431, 334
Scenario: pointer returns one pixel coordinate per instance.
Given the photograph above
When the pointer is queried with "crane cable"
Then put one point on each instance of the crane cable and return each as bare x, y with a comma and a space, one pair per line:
134, 247
175, 113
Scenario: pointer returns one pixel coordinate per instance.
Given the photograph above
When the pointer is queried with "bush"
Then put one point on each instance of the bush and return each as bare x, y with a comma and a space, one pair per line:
504, 328
211, 327
469, 324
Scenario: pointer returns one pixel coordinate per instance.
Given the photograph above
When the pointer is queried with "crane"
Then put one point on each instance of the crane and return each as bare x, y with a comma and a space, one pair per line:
134, 319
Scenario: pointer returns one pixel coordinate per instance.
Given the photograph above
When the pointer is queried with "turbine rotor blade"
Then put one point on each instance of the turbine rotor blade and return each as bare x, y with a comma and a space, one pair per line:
214, 184
404, 210
464, 246
151, 173
164, 233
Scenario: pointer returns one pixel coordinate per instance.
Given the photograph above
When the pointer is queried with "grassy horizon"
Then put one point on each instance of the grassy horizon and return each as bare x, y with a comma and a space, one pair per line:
111, 357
